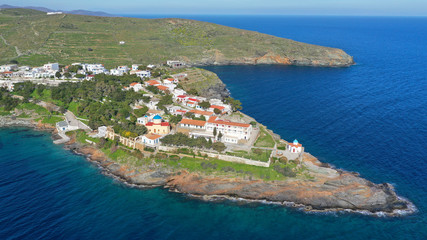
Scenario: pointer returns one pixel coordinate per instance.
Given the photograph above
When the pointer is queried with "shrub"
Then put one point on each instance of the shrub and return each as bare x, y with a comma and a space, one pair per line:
161, 156
206, 165
228, 169
174, 158
286, 171
149, 149
283, 160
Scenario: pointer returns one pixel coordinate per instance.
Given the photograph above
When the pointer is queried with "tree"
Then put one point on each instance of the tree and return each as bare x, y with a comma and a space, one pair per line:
57, 74
140, 112
142, 67
189, 115
175, 119
219, 135
74, 68
67, 75
253, 123
205, 104
235, 104
80, 76
215, 132
217, 111
165, 100
193, 92
218, 146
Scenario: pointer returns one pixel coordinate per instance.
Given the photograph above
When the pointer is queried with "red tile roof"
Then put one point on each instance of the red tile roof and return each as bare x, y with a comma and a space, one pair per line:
181, 96
152, 82
193, 122
133, 84
193, 99
236, 124
163, 88
217, 107
295, 145
152, 136
160, 124
201, 112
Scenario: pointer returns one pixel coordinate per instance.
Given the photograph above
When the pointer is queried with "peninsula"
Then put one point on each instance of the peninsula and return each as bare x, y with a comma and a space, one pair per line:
164, 122
32, 37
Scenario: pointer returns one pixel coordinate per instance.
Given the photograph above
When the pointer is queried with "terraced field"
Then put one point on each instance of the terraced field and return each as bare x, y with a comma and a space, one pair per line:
32, 37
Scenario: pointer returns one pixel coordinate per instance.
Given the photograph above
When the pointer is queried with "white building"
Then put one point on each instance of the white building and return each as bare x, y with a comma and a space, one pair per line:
192, 124
144, 119
295, 147
135, 67
7, 84
116, 72
136, 86
175, 64
96, 68
51, 67
8, 67
153, 104
151, 139
231, 131
53, 13
143, 74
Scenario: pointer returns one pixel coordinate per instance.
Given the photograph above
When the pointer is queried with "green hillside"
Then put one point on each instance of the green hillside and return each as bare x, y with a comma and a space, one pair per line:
32, 37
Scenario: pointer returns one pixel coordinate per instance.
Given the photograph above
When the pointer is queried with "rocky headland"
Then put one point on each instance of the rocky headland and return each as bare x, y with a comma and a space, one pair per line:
330, 190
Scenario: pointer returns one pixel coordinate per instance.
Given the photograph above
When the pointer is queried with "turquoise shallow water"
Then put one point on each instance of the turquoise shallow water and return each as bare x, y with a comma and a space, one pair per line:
369, 118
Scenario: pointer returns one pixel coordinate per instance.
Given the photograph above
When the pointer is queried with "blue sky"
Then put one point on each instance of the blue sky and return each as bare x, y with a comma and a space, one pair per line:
287, 7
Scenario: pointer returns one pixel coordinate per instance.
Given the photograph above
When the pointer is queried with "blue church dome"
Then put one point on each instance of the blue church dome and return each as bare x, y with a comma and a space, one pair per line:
157, 117
295, 141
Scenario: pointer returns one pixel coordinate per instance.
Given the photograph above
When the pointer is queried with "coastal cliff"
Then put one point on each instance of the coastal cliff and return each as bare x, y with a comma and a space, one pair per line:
33, 38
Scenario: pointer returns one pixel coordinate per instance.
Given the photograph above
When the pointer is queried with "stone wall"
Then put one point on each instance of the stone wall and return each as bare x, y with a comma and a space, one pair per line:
224, 157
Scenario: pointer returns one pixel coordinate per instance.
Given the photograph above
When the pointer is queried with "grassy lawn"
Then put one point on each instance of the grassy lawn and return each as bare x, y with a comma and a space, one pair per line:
32, 106
23, 115
264, 139
218, 167
3, 112
52, 120
255, 154
81, 136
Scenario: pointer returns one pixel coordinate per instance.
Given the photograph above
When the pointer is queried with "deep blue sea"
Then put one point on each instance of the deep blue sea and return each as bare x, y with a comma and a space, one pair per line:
370, 118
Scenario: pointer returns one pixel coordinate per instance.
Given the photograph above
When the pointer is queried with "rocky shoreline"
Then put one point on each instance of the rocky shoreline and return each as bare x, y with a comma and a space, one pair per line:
331, 190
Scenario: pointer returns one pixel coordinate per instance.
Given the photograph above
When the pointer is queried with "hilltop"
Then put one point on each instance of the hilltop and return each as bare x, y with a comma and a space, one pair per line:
31, 37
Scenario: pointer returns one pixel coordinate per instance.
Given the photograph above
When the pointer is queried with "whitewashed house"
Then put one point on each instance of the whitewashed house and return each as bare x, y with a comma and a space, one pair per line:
175, 64
8, 67
153, 104
151, 139
136, 86
51, 67
144, 119
143, 74
116, 72
230, 130
135, 67
295, 147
